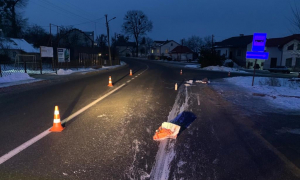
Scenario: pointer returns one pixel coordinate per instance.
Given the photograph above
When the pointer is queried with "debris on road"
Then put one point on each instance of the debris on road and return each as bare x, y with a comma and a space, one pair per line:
166, 130
204, 81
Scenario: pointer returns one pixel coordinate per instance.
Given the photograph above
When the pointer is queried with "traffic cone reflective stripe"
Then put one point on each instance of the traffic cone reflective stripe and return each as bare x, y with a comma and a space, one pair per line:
110, 82
181, 72
57, 127
130, 73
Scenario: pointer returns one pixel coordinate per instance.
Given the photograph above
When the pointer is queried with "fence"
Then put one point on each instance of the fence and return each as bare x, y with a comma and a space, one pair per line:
47, 66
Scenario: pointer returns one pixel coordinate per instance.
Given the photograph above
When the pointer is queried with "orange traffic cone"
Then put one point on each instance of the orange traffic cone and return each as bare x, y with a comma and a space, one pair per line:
228, 73
110, 82
181, 72
130, 73
56, 122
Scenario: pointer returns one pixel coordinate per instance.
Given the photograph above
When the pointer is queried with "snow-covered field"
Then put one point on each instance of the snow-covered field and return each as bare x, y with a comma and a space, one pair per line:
223, 68
280, 92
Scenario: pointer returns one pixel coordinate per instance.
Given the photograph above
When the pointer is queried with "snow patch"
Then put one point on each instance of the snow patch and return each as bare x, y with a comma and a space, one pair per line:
279, 92
18, 76
193, 66
166, 151
223, 68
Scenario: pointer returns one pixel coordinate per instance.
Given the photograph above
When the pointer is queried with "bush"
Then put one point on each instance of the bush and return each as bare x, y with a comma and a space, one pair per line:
209, 58
230, 64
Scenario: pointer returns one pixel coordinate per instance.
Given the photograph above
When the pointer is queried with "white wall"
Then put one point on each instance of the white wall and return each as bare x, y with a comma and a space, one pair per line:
274, 52
288, 53
166, 48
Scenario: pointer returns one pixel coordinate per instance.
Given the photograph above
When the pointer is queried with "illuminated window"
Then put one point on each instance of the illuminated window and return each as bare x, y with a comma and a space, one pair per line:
166, 51
291, 47
157, 51
152, 51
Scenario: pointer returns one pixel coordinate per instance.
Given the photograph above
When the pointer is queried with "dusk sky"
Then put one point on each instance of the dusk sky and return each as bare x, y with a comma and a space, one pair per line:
172, 19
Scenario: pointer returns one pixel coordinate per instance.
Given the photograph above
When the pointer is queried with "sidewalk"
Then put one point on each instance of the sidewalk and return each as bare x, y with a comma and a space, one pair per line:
23, 78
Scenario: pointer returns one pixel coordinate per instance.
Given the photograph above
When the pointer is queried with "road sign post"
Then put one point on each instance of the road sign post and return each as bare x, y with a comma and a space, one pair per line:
258, 48
254, 72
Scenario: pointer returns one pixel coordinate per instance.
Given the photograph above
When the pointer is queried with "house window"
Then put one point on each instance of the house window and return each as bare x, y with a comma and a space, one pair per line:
166, 51
291, 47
14, 54
262, 64
288, 62
157, 51
239, 53
171, 44
297, 62
219, 52
152, 51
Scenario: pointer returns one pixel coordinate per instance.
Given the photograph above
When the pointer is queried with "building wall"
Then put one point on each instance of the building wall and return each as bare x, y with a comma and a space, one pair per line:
223, 51
166, 48
182, 57
290, 53
274, 52
163, 50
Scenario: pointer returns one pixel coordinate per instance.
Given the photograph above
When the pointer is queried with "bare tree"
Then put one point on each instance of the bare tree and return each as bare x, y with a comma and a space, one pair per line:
136, 24
11, 19
194, 43
296, 17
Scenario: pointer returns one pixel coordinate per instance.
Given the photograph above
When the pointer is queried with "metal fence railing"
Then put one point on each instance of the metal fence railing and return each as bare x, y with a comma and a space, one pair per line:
49, 67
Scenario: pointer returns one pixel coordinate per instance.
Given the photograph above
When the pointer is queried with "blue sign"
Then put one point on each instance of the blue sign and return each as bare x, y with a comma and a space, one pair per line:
257, 55
259, 41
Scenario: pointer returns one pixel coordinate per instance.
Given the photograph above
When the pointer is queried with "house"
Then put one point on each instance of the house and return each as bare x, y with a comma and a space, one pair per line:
181, 53
13, 47
235, 48
126, 49
284, 51
162, 48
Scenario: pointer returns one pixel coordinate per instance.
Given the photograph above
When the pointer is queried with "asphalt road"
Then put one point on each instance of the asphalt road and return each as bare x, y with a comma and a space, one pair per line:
113, 138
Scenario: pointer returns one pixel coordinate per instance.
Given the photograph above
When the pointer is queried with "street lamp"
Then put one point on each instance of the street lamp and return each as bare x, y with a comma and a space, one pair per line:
108, 38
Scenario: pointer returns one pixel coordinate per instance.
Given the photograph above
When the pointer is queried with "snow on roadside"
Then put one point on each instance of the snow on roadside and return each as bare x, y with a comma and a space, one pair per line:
223, 68
193, 66
166, 151
18, 76
279, 92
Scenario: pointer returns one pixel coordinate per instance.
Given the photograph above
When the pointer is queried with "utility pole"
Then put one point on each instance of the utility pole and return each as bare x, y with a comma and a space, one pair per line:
50, 36
212, 44
107, 27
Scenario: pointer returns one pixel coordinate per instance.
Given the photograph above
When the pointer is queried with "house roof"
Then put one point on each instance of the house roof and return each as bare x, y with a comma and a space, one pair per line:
181, 49
19, 44
132, 44
161, 43
239, 41
279, 42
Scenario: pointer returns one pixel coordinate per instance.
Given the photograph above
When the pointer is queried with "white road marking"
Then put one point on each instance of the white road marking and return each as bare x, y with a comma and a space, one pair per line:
198, 100
128, 81
28, 143
25, 145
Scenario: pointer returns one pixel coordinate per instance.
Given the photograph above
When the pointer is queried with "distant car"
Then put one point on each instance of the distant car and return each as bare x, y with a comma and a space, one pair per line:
282, 69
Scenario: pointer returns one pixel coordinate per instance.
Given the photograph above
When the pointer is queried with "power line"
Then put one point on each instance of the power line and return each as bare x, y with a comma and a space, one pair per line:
64, 10
55, 10
71, 4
